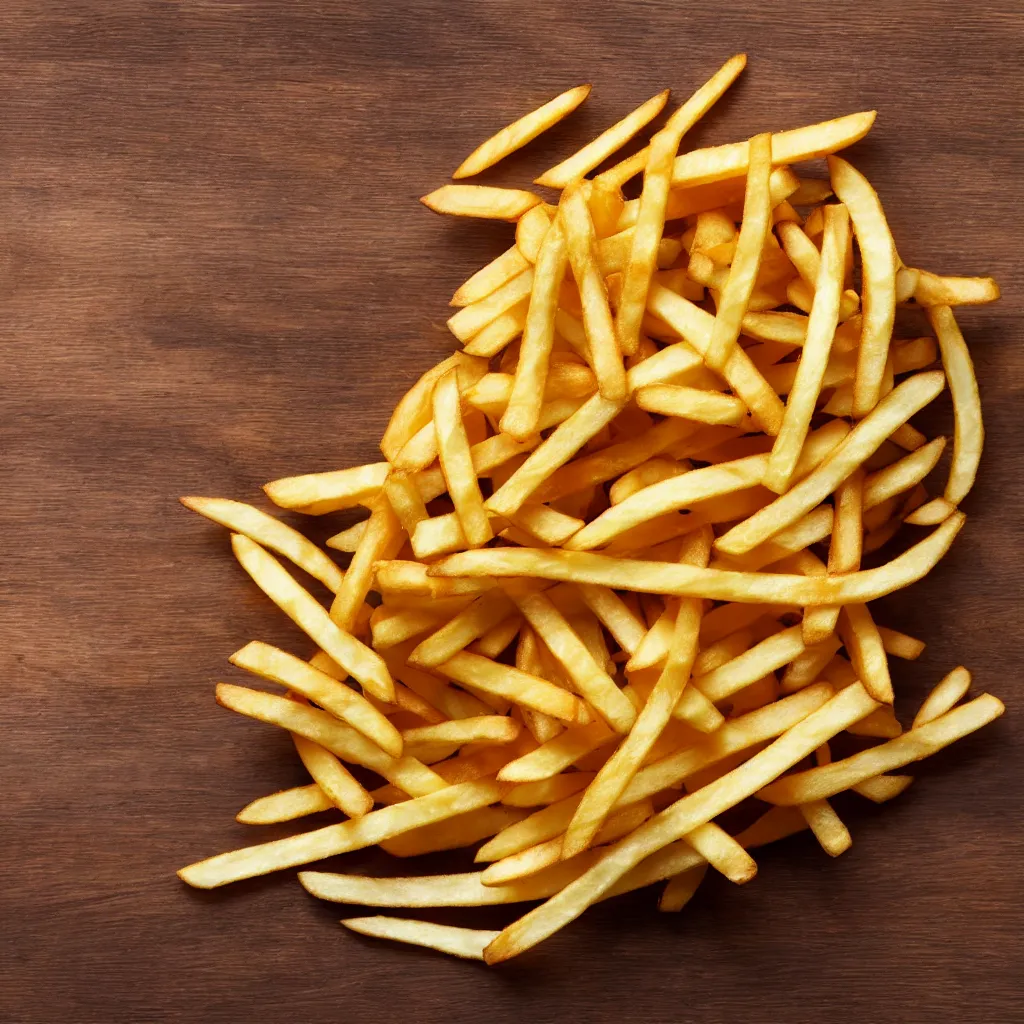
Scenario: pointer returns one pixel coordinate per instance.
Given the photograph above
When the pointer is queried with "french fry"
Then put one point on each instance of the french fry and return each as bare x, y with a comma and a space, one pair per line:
814, 357
490, 277
457, 463
864, 644
333, 778
485, 729
311, 617
517, 134
896, 408
878, 256
405, 772
654, 202
844, 554
827, 780
522, 414
529, 691
935, 290
968, 432
382, 539
692, 404
285, 805
271, 533
466, 943
714, 584
343, 702
743, 273
794, 146
469, 321
948, 692
486, 611
603, 347
480, 201
609, 141
356, 834
329, 492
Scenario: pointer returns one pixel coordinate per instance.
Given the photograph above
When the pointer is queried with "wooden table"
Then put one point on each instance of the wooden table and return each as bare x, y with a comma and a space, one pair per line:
215, 272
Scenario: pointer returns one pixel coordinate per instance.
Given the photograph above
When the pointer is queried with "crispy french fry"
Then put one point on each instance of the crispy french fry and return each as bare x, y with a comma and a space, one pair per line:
603, 347
968, 434
521, 131
329, 492
382, 539
878, 256
948, 692
480, 201
935, 290
522, 415
333, 778
598, 150
821, 326
311, 617
827, 780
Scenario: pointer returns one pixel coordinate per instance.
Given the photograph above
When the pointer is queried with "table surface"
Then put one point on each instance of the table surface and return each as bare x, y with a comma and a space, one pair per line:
215, 272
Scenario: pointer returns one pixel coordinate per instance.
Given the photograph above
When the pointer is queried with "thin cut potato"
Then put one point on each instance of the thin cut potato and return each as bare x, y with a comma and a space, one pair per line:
827, 780
480, 201
517, 134
968, 433
680, 818
334, 780
285, 805
714, 584
528, 690
865, 438
405, 772
329, 492
692, 404
331, 840
789, 147
457, 463
814, 357
598, 150
878, 257
365, 665
736, 294
948, 692
522, 415
935, 290
603, 346
487, 279
301, 677
271, 533
467, 943
654, 202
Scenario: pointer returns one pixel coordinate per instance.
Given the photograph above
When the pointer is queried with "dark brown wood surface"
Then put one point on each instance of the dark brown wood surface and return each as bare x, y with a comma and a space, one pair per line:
215, 272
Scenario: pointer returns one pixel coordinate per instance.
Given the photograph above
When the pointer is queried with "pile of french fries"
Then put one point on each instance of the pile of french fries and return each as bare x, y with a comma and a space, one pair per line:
611, 582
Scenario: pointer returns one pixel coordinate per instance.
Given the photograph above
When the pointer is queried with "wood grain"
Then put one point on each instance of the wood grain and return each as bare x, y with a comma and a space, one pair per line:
215, 272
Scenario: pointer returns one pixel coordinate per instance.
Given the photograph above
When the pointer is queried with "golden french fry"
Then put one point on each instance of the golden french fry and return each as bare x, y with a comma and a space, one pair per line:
485, 729
714, 584
789, 147
865, 438
864, 645
285, 805
521, 131
968, 433
480, 201
654, 202
948, 692
334, 839
513, 684
603, 347
469, 321
406, 772
311, 617
878, 256
597, 151
692, 404
935, 290
814, 357
271, 533
466, 943
522, 415
487, 279
743, 273
827, 780
382, 539
329, 492
300, 676
333, 778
